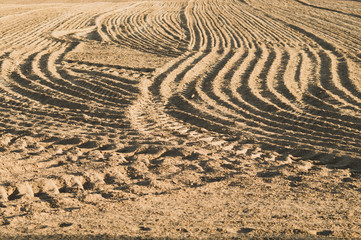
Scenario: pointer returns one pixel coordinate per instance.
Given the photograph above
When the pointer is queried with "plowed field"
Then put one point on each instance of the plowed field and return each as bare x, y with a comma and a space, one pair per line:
180, 119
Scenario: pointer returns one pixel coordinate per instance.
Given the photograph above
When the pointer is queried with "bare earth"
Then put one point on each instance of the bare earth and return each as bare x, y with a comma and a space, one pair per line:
180, 119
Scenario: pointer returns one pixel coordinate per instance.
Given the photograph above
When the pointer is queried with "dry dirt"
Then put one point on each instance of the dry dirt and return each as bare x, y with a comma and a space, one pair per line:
190, 119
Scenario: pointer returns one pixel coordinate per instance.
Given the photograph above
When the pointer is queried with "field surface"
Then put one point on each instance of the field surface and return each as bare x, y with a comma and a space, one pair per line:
182, 119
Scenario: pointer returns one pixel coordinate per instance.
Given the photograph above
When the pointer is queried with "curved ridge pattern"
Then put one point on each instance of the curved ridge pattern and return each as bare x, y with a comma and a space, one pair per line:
236, 73
281, 83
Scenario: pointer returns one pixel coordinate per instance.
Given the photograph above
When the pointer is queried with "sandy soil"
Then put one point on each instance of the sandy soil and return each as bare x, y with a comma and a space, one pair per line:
190, 119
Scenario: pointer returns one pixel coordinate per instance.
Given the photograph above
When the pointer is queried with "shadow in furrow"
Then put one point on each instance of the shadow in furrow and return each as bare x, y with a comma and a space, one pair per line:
328, 9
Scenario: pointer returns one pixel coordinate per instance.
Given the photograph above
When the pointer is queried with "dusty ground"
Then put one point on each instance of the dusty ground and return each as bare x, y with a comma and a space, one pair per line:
180, 119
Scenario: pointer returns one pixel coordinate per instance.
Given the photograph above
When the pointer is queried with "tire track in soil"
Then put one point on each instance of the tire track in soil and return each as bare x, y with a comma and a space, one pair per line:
241, 84
183, 106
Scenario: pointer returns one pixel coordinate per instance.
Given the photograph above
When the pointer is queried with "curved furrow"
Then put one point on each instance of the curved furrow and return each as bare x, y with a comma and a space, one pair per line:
171, 79
243, 25
211, 17
173, 22
134, 34
323, 126
202, 94
290, 85
215, 36
80, 21
26, 87
33, 69
312, 103
280, 76
196, 113
116, 97
7, 11
62, 112
26, 26
243, 36
248, 95
349, 72
101, 27
147, 114
191, 92
276, 85
94, 68
248, 107
328, 61
71, 22
265, 32
169, 28
184, 107
349, 40
88, 16
104, 25
201, 40
161, 33
255, 28
168, 42
143, 39
275, 28
241, 32
330, 80
234, 33
198, 70
230, 37
328, 9
327, 28
237, 19
118, 34
193, 35
279, 84
199, 37
318, 87
22, 86
37, 70
345, 87
324, 32
66, 96
16, 25
213, 99
27, 96
41, 31
66, 84
322, 123
140, 29
207, 119
94, 79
